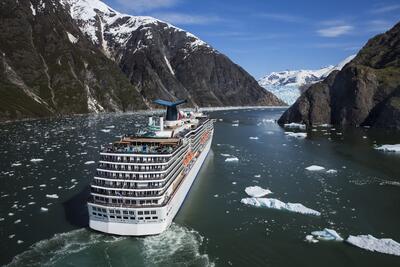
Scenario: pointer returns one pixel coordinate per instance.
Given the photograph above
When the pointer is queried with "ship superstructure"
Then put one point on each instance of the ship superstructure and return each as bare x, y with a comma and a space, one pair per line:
142, 180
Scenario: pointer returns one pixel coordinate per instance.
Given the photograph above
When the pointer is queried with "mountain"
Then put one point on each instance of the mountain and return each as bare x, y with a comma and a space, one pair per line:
365, 92
288, 85
163, 61
78, 56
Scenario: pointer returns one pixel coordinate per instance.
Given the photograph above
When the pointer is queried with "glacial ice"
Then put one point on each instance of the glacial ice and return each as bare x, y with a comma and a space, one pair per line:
369, 242
232, 159
327, 235
297, 135
105, 130
279, 205
44, 209
256, 191
225, 155
89, 162
389, 148
331, 171
52, 196
36, 160
311, 239
253, 138
315, 168
235, 124
294, 125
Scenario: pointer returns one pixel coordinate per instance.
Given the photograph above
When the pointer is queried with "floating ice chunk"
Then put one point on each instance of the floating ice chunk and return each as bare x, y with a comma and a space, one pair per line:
331, 171
253, 138
256, 191
389, 148
36, 160
52, 196
225, 155
44, 209
279, 205
1, 219
216, 195
232, 159
11, 236
269, 120
294, 125
297, 135
233, 183
369, 242
42, 185
325, 125
20, 242
110, 127
235, 124
311, 239
327, 235
315, 168
10, 214
89, 162
17, 221
16, 164
105, 130
257, 175
32, 203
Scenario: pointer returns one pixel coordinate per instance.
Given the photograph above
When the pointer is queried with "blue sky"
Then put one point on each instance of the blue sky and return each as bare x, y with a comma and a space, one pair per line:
271, 35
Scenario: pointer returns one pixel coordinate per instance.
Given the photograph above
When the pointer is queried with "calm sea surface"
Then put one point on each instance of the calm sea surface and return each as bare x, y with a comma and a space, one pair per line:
212, 227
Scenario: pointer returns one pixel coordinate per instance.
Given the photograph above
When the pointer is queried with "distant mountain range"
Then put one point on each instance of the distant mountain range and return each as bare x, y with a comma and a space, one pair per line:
366, 92
79, 56
288, 85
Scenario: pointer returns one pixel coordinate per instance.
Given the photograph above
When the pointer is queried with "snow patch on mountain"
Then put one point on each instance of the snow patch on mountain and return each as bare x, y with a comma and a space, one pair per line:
286, 84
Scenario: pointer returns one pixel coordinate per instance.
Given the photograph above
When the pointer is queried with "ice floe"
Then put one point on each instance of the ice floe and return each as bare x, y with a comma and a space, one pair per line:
315, 168
294, 125
52, 196
371, 243
232, 159
105, 130
253, 138
225, 155
44, 209
89, 162
256, 191
235, 124
297, 135
311, 239
17, 221
279, 205
389, 148
331, 171
16, 164
327, 235
36, 160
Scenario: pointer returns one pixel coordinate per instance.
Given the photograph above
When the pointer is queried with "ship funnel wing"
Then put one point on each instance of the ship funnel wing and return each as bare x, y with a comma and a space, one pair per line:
172, 111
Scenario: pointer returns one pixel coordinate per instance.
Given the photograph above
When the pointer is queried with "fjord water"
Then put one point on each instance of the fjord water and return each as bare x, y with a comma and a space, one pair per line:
212, 227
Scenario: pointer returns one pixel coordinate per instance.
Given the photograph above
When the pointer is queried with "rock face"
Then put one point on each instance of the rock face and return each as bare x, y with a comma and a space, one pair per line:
365, 92
48, 66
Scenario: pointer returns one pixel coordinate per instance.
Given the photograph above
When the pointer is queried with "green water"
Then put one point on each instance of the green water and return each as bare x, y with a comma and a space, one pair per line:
212, 227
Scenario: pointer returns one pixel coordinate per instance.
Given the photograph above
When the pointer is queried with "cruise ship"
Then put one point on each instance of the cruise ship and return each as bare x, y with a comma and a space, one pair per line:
142, 180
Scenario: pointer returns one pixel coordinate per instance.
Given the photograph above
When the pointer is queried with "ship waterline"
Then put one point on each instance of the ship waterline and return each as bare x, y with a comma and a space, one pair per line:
142, 181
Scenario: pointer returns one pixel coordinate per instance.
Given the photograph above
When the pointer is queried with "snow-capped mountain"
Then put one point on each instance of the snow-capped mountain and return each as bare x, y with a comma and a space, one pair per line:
286, 84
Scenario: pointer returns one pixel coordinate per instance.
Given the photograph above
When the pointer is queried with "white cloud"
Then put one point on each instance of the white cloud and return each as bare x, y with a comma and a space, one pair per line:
185, 19
378, 25
145, 5
335, 31
385, 9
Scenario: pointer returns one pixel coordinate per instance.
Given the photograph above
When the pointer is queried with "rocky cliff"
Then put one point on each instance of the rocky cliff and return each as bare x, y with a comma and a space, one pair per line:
365, 92
79, 56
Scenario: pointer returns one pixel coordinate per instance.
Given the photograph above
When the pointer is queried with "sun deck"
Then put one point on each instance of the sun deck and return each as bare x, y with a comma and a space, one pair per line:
141, 145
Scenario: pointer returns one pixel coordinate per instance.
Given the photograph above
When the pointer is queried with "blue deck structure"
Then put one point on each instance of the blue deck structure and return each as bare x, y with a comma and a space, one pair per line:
172, 110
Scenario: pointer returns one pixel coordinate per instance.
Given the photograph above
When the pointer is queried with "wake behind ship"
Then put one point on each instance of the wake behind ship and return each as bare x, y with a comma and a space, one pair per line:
142, 180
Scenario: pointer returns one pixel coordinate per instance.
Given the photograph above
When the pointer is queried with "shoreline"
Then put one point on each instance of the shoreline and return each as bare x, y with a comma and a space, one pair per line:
141, 111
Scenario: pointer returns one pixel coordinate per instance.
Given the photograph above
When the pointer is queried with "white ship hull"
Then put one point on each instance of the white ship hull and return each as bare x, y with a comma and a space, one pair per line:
167, 213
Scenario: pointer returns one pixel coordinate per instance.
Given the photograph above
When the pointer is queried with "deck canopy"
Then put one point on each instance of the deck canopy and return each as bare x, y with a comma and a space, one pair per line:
172, 110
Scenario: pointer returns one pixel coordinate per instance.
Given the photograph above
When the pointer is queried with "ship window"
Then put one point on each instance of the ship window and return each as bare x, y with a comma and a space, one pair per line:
155, 218
131, 212
147, 212
112, 217
118, 217
118, 211
132, 218
125, 212
140, 218
94, 208
147, 218
104, 215
153, 212
103, 210
125, 218
140, 212
111, 211
94, 213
